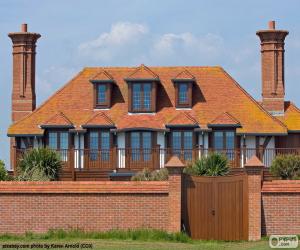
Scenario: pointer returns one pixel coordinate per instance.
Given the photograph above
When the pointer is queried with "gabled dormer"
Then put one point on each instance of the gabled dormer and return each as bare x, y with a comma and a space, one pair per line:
103, 84
183, 84
142, 90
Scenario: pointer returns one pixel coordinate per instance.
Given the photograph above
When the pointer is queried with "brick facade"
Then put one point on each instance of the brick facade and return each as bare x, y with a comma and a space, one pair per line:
90, 206
281, 207
254, 169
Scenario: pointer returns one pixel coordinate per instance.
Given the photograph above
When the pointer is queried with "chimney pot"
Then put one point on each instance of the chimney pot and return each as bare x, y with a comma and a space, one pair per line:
24, 27
272, 25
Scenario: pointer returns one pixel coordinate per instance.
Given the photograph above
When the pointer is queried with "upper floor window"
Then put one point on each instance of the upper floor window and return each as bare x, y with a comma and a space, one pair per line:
142, 97
183, 94
102, 95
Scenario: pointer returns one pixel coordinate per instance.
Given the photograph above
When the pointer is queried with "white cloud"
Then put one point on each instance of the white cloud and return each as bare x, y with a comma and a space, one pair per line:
187, 44
108, 44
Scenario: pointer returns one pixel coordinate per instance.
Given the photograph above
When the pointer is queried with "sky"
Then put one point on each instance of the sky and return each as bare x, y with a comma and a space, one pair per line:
81, 33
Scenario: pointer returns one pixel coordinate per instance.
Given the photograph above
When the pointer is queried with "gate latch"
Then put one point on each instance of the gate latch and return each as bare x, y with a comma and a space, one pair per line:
213, 212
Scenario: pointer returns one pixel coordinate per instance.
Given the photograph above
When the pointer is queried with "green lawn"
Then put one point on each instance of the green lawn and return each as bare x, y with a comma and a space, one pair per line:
132, 244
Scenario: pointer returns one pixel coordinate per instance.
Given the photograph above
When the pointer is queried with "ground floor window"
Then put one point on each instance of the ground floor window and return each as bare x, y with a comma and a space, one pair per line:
59, 140
224, 141
140, 145
182, 144
99, 142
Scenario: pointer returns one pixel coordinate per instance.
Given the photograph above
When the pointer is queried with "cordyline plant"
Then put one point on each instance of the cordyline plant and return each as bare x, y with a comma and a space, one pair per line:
39, 164
214, 164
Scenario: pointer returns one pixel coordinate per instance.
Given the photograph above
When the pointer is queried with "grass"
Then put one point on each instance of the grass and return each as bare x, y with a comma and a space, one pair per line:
131, 239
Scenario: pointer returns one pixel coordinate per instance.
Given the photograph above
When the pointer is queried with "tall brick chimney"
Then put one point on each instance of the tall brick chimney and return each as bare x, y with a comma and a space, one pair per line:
272, 64
23, 93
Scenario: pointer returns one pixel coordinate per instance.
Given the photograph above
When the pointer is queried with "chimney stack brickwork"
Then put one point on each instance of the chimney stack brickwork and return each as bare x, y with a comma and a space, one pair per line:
23, 93
272, 61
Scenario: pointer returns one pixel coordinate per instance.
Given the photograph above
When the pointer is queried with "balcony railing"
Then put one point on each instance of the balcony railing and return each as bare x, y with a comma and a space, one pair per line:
154, 158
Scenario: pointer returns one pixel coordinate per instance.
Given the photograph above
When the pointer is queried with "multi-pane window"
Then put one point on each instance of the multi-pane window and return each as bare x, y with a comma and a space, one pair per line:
224, 141
183, 93
141, 96
101, 94
141, 143
182, 144
59, 140
99, 142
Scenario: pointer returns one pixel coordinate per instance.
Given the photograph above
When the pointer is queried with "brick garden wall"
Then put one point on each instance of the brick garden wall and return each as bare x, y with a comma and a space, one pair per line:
281, 207
91, 206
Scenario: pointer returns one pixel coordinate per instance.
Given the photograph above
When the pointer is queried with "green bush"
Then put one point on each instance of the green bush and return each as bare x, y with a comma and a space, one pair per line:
287, 167
39, 164
147, 175
3, 172
214, 164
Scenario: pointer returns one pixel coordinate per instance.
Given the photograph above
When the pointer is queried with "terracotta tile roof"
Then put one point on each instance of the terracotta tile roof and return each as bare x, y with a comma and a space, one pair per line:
58, 119
142, 72
102, 76
214, 92
185, 74
98, 119
291, 116
225, 119
183, 119
137, 121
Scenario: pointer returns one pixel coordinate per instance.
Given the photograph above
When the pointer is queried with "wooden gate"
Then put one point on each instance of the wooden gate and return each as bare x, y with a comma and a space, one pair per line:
216, 208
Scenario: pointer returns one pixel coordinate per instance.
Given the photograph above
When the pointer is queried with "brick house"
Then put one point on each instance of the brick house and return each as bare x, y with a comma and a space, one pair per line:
123, 119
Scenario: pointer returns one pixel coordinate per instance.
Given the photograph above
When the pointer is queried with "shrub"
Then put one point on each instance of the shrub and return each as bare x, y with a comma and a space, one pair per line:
3, 172
39, 164
286, 167
147, 175
215, 164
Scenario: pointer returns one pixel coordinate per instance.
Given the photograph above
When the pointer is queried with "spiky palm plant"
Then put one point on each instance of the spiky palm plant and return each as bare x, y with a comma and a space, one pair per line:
214, 164
39, 164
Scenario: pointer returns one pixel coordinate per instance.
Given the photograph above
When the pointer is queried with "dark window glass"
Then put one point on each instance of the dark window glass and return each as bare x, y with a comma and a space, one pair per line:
230, 140
93, 145
101, 94
59, 141
141, 145
99, 145
141, 96
218, 140
183, 93
136, 96
105, 145
135, 145
182, 144
53, 140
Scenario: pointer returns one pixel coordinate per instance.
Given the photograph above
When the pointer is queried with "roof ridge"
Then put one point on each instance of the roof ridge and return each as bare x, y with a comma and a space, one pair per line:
253, 100
49, 98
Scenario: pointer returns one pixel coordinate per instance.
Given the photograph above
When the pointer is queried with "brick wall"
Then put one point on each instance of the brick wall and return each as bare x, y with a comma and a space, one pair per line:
93, 206
281, 207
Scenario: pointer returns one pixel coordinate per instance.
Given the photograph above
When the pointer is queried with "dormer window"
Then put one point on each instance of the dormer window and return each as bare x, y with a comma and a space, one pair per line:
102, 95
102, 82
183, 94
141, 97
142, 88
183, 84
